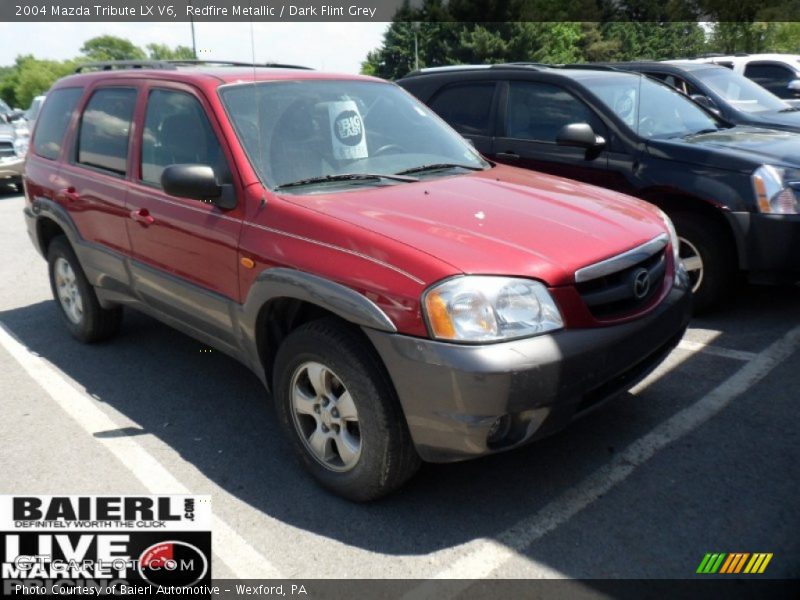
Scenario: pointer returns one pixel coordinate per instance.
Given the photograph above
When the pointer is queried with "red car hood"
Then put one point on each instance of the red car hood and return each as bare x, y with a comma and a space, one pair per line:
502, 221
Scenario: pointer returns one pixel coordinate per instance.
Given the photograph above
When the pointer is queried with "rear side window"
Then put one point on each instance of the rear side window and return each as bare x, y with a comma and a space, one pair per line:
177, 131
105, 128
466, 107
54, 120
538, 111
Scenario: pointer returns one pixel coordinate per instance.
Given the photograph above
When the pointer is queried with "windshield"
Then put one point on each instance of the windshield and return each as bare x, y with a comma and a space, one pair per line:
649, 108
322, 129
741, 93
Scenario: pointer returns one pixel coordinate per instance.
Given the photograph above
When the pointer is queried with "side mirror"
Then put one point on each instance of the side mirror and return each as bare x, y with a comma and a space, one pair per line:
794, 86
199, 183
16, 115
579, 135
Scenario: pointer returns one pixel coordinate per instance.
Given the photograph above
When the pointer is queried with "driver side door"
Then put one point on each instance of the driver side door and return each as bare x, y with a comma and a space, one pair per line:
184, 251
531, 115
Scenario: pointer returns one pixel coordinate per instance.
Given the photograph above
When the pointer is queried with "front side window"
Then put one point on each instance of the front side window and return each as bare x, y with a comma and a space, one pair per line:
467, 106
650, 109
775, 78
177, 131
330, 129
538, 111
105, 129
54, 120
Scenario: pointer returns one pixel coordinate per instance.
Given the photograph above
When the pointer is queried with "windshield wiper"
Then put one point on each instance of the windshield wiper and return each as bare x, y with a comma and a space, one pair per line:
438, 167
789, 109
707, 130
345, 177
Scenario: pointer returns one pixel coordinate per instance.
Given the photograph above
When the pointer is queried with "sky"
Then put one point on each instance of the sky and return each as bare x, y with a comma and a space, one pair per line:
336, 47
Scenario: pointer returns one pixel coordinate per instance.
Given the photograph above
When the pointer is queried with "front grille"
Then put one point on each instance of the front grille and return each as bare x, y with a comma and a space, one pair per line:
6, 149
614, 292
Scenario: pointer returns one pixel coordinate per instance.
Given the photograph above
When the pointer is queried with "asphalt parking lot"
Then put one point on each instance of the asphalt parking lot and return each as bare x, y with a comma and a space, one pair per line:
703, 456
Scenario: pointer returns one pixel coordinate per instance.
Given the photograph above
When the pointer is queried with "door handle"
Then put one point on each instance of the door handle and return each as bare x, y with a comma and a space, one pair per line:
142, 216
508, 155
70, 194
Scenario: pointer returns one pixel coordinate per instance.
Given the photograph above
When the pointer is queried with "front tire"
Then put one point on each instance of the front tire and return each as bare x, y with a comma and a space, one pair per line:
80, 310
340, 412
709, 258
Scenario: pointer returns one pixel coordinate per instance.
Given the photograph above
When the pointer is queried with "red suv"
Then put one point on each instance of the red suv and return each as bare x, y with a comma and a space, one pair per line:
402, 297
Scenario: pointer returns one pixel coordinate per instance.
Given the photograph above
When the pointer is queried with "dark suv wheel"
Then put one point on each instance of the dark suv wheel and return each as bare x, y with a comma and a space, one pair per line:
340, 411
709, 259
85, 319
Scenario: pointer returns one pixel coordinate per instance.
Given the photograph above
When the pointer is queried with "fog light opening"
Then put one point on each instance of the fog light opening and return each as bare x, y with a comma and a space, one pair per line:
499, 430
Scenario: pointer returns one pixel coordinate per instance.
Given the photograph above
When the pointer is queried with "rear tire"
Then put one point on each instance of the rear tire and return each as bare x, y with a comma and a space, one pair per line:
709, 257
77, 302
340, 412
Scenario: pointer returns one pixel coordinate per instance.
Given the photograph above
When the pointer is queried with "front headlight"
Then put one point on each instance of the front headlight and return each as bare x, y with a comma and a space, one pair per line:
681, 276
775, 189
482, 308
21, 147
673, 236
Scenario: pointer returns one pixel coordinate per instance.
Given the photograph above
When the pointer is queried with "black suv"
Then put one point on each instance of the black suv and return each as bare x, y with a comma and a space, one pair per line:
730, 190
733, 97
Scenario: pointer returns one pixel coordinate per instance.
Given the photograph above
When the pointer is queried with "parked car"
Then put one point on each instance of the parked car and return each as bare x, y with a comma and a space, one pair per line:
12, 154
33, 110
731, 96
778, 73
729, 190
400, 296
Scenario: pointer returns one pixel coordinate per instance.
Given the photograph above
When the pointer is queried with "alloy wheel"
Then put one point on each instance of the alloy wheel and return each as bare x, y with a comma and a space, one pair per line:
325, 417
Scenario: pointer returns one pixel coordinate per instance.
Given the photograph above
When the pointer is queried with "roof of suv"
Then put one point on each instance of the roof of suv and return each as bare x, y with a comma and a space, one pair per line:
573, 73
213, 74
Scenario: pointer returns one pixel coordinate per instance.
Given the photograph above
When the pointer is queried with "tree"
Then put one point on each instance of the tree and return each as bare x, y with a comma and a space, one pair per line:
110, 47
164, 52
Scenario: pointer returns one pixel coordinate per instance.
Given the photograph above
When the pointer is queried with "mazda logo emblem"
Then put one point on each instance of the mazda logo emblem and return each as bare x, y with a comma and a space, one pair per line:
641, 283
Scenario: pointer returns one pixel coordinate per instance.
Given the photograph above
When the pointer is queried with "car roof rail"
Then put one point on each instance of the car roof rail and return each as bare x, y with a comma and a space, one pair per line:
172, 64
523, 63
588, 67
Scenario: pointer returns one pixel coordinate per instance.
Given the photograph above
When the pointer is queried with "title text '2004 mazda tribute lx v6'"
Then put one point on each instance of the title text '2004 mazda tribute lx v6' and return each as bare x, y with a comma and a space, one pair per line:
402, 298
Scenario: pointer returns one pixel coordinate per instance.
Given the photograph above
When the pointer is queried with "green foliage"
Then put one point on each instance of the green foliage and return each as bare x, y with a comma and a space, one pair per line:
109, 47
491, 31
30, 77
164, 52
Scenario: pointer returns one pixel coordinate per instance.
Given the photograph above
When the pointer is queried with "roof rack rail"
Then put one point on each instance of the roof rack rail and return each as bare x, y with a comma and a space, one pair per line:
522, 63
172, 64
587, 67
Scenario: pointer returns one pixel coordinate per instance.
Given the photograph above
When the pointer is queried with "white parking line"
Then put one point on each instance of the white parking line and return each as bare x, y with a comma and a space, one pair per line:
489, 554
240, 557
716, 350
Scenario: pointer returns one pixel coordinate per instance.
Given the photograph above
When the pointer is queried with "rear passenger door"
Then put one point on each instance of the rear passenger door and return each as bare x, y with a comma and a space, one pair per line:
93, 183
184, 251
531, 115
469, 108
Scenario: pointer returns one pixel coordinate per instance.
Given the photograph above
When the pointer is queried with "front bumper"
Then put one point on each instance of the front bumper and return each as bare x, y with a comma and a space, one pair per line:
770, 245
453, 395
11, 167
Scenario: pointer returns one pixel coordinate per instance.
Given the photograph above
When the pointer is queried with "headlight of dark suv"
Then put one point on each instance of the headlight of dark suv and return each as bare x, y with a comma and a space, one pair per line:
776, 189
